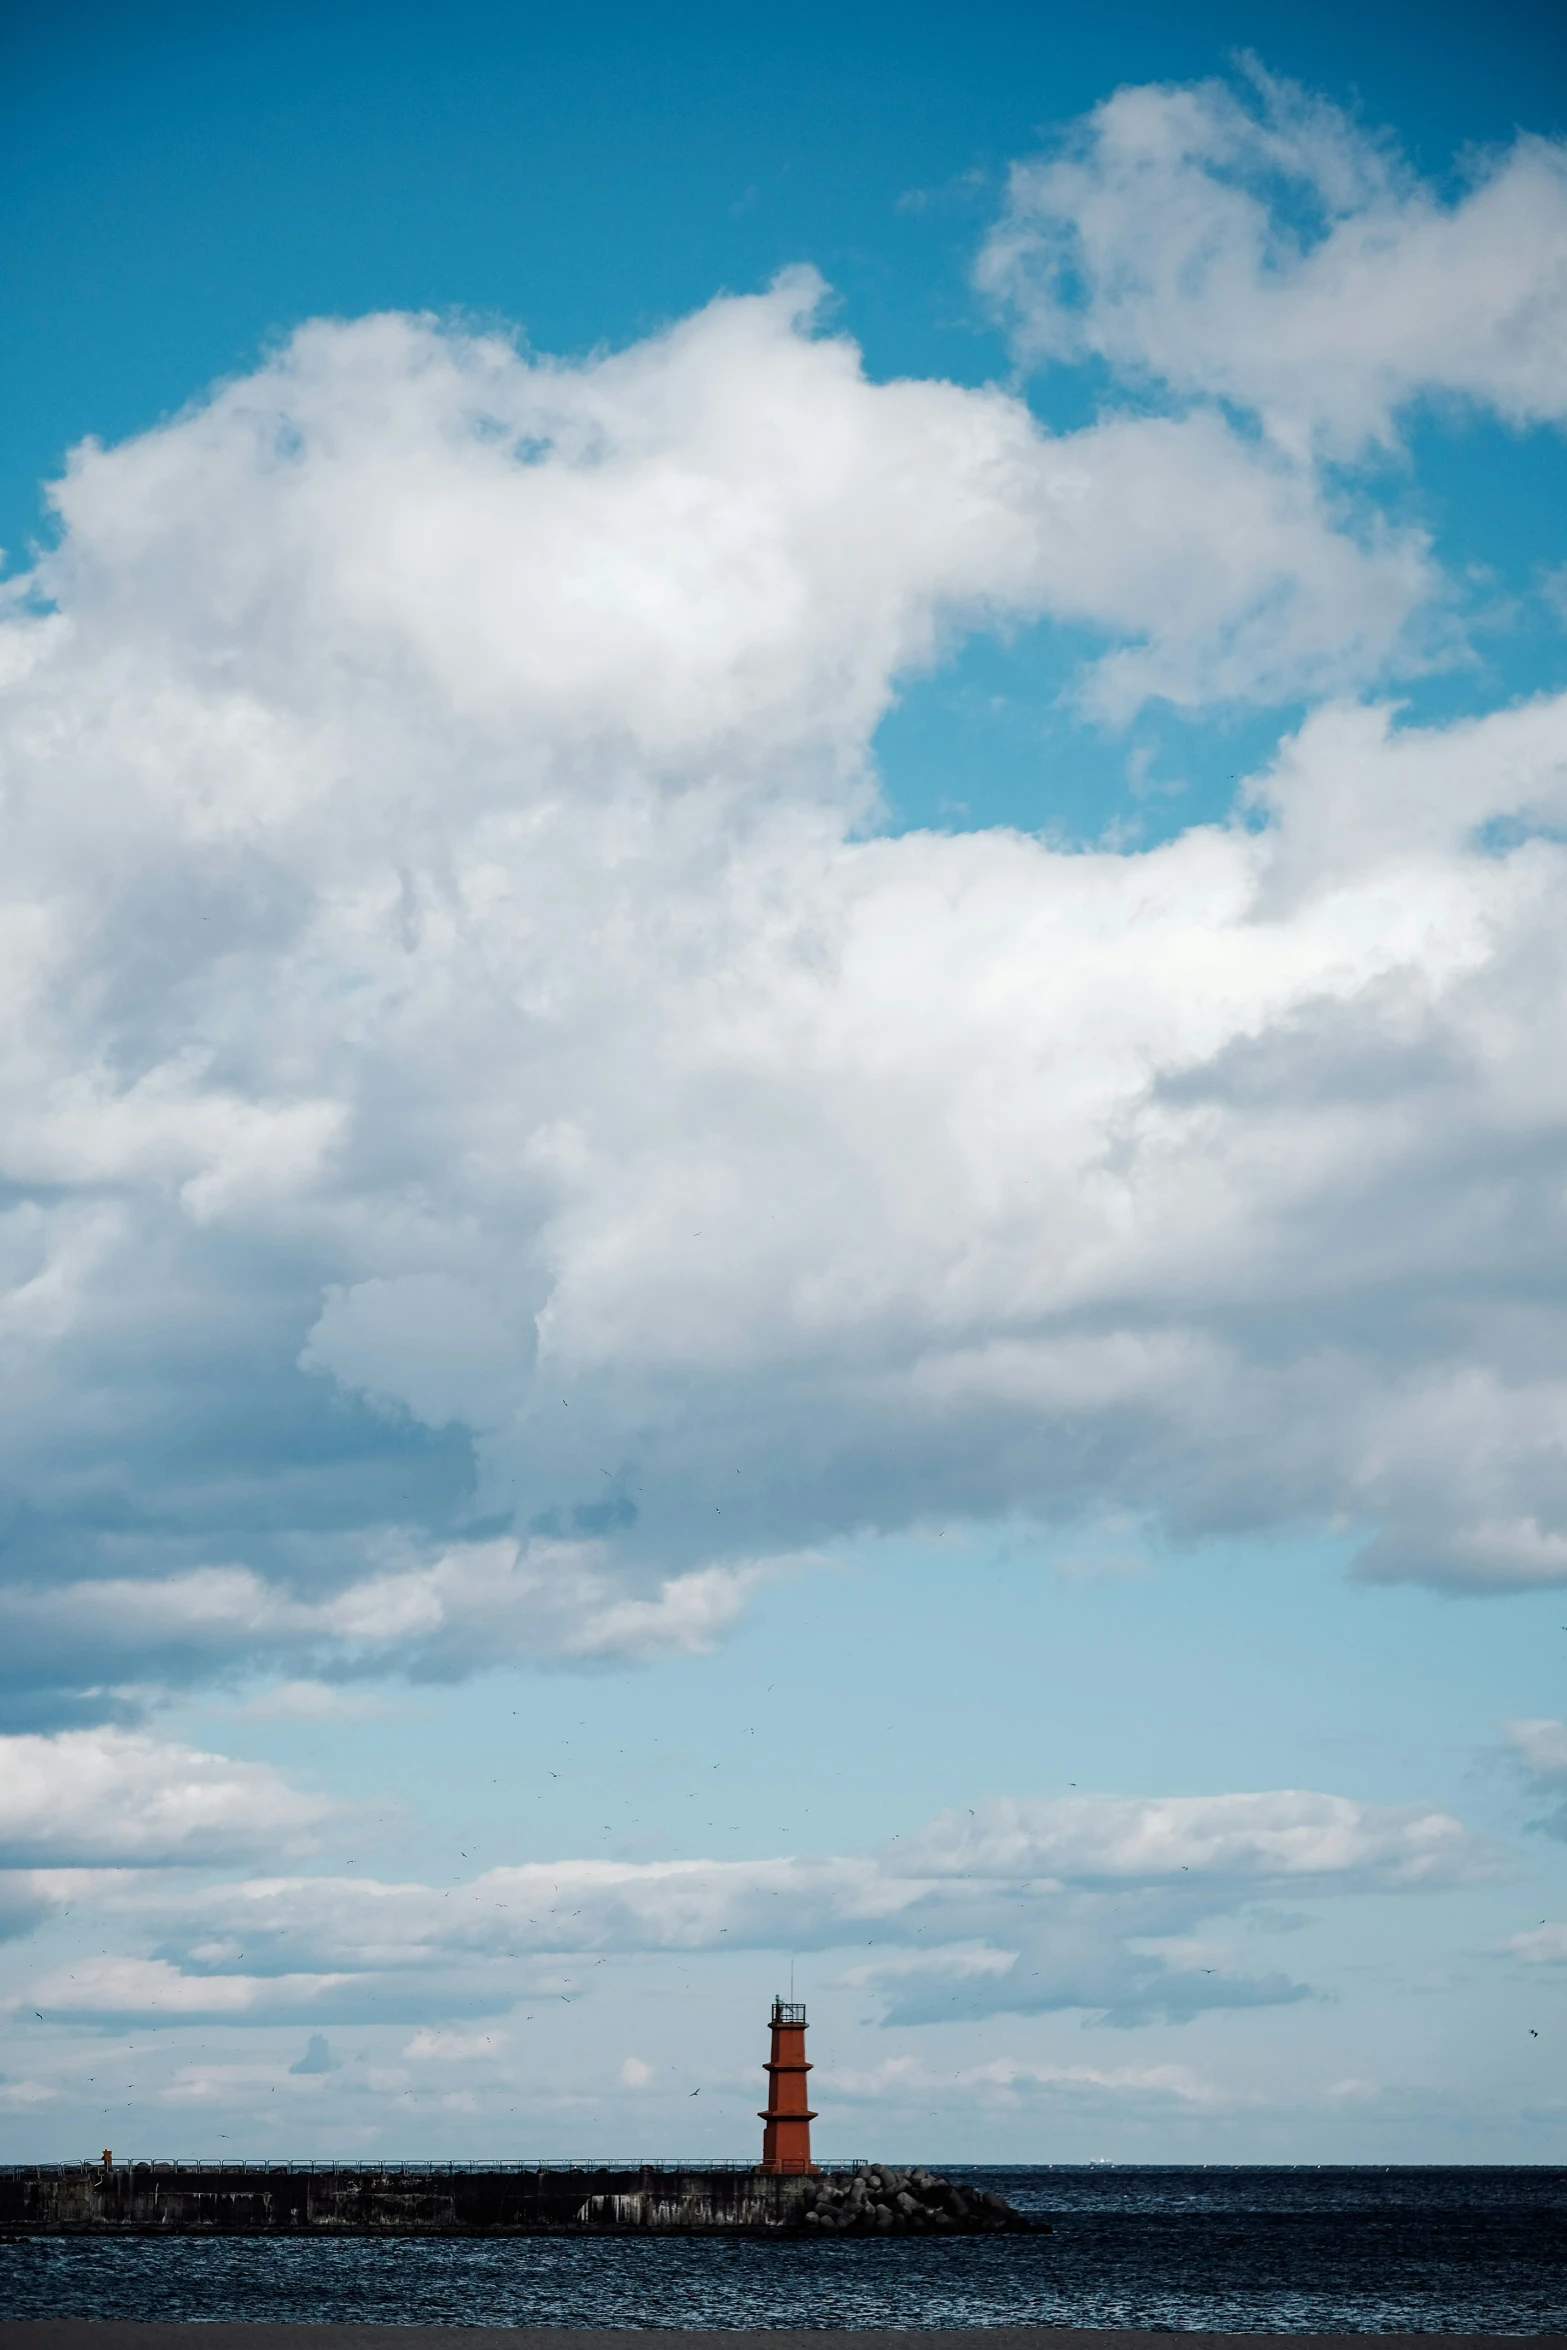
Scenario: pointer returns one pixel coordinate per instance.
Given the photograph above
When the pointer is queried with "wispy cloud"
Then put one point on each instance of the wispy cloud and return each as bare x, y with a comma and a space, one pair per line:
1022, 1908
1006, 2080
1538, 1750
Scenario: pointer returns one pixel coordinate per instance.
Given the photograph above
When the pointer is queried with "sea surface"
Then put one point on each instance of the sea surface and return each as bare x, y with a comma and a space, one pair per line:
1233, 2250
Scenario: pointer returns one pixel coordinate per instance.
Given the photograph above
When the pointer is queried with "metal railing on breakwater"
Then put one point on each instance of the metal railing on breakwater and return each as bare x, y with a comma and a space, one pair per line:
223, 2165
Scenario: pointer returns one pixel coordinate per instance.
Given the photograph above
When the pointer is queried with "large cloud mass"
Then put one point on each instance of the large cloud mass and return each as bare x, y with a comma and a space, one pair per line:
499, 1153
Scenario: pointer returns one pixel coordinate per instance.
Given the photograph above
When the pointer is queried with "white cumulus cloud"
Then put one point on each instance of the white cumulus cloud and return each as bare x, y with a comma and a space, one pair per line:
1259, 246
113, 1986
501, 1155
107, 1795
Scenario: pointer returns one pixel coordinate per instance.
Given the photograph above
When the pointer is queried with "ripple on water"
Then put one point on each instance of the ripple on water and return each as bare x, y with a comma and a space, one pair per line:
1254, 2251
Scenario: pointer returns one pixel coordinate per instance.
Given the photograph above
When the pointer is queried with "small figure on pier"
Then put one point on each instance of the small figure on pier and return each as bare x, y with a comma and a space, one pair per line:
786, 2141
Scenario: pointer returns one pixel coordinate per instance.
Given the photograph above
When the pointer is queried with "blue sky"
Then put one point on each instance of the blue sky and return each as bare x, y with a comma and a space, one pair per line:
783, 1139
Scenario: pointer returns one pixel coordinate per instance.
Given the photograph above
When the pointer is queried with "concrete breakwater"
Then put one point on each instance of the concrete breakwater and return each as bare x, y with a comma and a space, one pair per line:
481, 2199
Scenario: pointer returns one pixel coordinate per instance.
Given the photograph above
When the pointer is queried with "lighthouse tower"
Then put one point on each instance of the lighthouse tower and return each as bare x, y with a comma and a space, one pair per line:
786, 2141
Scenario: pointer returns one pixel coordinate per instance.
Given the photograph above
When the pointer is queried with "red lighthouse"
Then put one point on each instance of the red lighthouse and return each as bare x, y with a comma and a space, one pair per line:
786, 2141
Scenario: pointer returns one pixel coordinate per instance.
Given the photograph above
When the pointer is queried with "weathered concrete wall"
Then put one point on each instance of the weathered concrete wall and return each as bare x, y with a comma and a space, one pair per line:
145, 2198
253, 2199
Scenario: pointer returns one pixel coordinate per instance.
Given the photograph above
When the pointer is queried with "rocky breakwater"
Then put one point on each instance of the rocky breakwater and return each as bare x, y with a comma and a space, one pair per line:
879, 2200
390, 2198
481, 2199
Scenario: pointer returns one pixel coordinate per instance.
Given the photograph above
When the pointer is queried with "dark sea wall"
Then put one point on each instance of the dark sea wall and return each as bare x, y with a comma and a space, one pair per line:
137, 2198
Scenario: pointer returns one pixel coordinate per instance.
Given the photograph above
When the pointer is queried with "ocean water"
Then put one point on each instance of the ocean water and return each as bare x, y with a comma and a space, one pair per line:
1246, 2250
